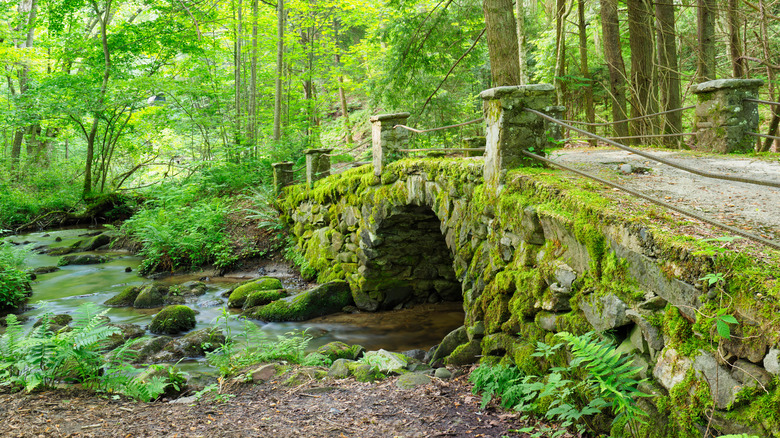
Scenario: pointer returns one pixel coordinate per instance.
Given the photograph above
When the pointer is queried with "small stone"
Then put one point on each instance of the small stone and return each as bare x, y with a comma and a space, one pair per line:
772, 361
340, 369
626, 168
410, 380
264, 373
128, 269
442, 373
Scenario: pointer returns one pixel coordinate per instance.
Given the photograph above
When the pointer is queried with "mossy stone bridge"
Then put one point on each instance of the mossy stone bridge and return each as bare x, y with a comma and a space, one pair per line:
531, 252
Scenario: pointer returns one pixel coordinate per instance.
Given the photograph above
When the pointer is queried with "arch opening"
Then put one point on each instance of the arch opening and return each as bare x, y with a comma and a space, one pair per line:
407, 263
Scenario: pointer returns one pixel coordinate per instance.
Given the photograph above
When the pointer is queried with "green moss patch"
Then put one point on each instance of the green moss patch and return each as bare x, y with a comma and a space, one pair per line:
239, 295
322, 300
172, 320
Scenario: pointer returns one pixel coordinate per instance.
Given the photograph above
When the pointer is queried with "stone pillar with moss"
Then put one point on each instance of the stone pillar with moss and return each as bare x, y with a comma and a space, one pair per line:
283, 175
510, 130
386, 139
317, 164
724, 117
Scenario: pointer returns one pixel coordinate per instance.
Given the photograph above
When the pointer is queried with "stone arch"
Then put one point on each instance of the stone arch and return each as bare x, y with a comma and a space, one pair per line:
404, 260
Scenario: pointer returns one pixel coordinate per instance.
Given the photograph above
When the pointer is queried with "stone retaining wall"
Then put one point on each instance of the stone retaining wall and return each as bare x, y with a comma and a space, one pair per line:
548, 255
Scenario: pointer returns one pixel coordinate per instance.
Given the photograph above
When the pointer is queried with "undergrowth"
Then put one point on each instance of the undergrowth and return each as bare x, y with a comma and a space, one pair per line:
14, 282
596, 379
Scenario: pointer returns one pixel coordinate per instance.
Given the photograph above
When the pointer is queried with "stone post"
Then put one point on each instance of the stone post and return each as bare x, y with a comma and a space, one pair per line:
723, 117
317, 164
474, 143
511, 130
283, 175
387, 140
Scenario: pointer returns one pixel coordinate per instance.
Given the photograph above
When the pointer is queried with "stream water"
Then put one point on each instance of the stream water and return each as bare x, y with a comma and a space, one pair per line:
62, 291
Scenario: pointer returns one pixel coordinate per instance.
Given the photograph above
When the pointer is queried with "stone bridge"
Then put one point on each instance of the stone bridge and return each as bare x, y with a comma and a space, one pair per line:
532, 252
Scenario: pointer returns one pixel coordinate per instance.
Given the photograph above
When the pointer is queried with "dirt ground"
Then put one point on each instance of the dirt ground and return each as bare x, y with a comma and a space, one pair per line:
317, 408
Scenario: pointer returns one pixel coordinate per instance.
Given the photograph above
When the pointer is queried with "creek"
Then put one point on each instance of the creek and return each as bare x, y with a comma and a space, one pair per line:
62, 291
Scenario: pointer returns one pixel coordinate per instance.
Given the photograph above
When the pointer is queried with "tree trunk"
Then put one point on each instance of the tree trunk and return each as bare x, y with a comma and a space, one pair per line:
706, 37
770, 73
610, 28
502, 42
342, 94
521, 41
668, 75
561, 14
237, 74
738, 67
279, 70
590, 114
643, 101
252, 119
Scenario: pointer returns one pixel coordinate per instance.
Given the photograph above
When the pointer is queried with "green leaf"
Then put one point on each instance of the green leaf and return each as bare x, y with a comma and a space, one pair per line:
729, 319
723, 329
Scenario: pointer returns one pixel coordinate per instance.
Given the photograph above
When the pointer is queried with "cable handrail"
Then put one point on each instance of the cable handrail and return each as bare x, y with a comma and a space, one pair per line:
768, 102
655, 158
631, 119
679, 134
422, 131
444, 150
733, 230
756, 134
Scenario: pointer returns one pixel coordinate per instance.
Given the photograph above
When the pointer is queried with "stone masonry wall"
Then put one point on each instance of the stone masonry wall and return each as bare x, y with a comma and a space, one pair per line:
550, 255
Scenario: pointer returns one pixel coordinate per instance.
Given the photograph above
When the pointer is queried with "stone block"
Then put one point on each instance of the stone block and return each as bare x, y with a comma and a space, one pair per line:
604, 312
671, 368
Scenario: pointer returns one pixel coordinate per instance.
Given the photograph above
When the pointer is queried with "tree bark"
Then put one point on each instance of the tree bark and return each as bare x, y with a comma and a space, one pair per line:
590, 114
668, 71
706, 38
279, 70
502, 42
610, 28
738, 66
561, 13
770, 73
521, 41
252, 119
643, 99
342, 93
237, 74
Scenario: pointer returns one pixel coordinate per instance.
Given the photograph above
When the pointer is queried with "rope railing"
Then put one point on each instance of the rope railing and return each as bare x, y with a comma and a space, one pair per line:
655, 158
768, 102
422, 131
713, 222
338, 152
444, 150
627, 137
631, 119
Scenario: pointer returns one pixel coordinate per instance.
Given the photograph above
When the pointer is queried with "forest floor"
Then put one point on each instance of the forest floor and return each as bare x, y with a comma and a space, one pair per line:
315, 408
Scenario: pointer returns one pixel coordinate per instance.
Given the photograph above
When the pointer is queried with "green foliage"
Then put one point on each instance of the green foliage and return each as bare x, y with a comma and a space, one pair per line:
27, 195
252, 346
44, 358
14, 283
597, 377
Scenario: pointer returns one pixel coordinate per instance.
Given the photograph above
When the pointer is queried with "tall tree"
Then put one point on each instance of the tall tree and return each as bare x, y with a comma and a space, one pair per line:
610, 28
590, 114
279, 70
738, 65
521, 41
668, 75
706, 10
643, 100
502, 42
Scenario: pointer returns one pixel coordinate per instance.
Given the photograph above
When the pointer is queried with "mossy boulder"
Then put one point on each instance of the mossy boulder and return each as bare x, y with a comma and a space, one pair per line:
239, 295
263, 297
338, 350
322, 300
128, 331
172, 320
193, 344
56, 322
126, 298
364, 372
149, 346
82, 259
387, 361
150, 296
465, 354
188, 289
95, 242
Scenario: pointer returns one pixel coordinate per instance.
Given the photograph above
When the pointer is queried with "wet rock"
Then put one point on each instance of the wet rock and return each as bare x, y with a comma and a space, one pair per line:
239, 295
128, 269
366, 373
82, 259
56, 322
410, 380
128, 331
149, 346
415, 354
44, 270
150, 296
339, 350
126, 298
210, 303
189, 289
322, 300
173, 319
95, 242
196, 343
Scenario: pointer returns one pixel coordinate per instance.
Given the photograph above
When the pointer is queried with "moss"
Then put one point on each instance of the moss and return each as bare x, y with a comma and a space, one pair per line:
173, 319
689, 402
263, 297
239, 295
338, 350
125, 298
322, 300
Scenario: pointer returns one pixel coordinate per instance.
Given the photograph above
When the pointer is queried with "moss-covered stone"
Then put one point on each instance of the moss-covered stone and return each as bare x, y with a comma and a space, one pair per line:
126, 298
150, 296
263, 297
322, 300
239, 295
172, 320
339, 350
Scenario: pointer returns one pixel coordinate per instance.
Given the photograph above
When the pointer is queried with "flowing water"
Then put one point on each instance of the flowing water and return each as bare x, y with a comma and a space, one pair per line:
64, 290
